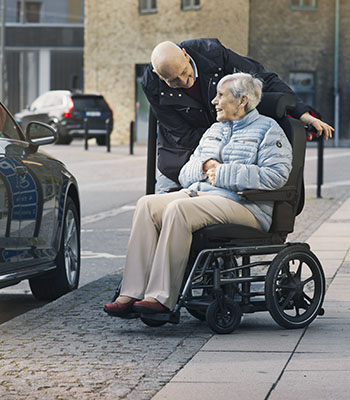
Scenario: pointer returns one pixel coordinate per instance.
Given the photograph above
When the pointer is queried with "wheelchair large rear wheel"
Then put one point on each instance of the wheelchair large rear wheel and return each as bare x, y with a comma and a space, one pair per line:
223, 316
295, 287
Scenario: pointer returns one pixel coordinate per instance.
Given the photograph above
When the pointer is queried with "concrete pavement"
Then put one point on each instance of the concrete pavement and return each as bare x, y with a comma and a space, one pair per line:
261, 361
70, 349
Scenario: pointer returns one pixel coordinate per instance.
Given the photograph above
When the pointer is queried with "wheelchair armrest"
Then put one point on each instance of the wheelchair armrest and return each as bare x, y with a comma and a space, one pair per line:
286, 193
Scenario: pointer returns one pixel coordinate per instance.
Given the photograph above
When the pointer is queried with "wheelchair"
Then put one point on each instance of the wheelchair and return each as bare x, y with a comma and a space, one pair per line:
234, 269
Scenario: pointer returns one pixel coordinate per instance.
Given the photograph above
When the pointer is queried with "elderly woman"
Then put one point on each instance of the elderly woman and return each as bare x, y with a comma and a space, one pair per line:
243, 150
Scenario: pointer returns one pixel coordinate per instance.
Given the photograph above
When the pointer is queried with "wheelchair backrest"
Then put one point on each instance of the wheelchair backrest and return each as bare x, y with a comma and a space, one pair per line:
277, 106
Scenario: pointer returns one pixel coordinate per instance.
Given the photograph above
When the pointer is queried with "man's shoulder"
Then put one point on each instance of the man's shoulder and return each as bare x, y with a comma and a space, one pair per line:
202, 45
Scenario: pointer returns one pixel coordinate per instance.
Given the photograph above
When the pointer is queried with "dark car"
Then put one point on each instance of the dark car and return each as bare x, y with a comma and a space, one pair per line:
67, 112
39, 212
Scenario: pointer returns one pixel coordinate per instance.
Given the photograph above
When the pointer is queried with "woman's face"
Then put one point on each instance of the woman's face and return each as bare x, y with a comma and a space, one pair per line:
227, 107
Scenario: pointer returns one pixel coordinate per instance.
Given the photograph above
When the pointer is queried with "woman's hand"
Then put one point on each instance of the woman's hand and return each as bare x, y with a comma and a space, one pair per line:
212, 176
211, 163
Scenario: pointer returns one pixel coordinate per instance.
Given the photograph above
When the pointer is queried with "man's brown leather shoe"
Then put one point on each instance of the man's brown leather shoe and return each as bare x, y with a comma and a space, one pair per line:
149, 307
118, 309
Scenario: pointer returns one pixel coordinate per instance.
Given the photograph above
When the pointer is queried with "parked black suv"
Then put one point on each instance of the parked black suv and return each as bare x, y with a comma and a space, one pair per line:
66, 112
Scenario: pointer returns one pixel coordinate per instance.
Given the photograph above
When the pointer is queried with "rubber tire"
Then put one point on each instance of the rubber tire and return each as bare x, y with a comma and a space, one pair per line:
214, 316
101, 140
56, 283
271, 291
61, 139
152, 322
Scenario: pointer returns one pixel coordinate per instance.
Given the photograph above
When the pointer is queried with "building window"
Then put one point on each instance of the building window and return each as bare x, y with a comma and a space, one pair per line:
303, 4
147, 6
190, 4
30, 12
303, 84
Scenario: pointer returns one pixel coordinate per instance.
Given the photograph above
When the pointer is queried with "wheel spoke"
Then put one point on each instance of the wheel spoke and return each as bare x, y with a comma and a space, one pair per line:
298, 273
308, 280
309, 299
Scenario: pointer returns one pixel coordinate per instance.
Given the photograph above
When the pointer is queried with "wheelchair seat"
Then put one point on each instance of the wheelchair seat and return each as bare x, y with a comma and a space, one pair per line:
288, 201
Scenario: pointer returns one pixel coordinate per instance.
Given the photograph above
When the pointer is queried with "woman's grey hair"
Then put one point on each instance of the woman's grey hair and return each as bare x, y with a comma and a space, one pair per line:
242, 84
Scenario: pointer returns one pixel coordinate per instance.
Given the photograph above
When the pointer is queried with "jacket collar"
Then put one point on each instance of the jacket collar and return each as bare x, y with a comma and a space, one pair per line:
247, 120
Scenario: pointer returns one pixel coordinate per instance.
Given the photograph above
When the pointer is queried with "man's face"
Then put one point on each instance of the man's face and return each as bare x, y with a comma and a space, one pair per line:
179, 75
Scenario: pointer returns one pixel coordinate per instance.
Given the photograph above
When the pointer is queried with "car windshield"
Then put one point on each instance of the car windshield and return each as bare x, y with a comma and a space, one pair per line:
8, 127
82, 103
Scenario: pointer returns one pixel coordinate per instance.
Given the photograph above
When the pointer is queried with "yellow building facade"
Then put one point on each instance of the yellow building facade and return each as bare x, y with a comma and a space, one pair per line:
120, 36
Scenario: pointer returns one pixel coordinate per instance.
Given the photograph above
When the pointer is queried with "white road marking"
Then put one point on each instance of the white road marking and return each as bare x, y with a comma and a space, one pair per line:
90, 254
107, 214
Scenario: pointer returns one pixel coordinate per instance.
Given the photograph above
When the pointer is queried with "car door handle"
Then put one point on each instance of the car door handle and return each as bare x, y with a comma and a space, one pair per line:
21, 170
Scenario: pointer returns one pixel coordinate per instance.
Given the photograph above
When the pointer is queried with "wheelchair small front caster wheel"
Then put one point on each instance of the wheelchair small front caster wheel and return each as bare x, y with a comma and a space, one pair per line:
223, 316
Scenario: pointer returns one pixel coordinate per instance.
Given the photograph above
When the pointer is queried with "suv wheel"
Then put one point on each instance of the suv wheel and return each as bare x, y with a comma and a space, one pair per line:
65, 277
62, 139
101, 140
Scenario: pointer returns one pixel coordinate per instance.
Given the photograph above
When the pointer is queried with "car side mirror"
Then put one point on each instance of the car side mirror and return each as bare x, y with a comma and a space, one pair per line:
38, 133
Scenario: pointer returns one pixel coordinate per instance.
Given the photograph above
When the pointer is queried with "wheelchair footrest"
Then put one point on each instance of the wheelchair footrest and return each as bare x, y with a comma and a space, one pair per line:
171, 317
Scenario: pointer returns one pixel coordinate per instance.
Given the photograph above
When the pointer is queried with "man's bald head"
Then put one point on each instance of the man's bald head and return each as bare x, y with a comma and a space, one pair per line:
172, 65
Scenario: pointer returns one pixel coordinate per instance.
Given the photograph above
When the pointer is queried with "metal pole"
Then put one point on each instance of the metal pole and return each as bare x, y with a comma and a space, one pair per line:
2, 49
320, 147
131, 139
151, 153
86, 132
108, 137
336, 75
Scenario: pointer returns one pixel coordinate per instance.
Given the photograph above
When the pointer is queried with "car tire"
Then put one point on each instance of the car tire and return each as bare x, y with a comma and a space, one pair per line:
61, 139
65, 277
101, 140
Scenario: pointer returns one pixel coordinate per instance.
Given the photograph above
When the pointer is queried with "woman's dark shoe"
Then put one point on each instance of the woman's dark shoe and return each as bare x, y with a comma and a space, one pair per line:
118, 309
149, 307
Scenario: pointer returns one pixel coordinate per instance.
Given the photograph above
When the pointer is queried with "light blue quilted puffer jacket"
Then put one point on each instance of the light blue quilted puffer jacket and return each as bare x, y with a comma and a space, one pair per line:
255, 154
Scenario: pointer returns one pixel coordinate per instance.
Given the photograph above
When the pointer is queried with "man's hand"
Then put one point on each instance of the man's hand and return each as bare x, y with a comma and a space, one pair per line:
320, 126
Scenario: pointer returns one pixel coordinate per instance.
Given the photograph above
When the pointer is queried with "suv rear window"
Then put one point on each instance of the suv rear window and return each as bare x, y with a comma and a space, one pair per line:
81, 103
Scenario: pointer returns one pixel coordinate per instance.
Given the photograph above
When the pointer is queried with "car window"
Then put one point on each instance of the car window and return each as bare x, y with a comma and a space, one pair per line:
38, 103
8, 127
87, 102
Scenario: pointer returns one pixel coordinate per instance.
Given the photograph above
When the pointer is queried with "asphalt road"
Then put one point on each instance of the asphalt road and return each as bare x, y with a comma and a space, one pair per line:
111, 183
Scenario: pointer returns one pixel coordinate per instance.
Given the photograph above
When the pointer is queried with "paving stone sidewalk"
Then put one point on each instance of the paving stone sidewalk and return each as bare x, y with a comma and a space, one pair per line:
70, 349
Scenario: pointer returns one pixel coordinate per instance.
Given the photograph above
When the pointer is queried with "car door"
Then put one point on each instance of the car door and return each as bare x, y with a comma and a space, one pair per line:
10, 199
9, 211
37, 198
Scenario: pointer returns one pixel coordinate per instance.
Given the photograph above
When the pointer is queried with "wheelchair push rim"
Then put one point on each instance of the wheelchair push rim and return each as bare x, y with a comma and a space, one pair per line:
295, 287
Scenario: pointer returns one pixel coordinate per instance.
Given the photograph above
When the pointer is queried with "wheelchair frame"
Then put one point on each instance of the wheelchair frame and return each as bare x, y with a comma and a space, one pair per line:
291, 285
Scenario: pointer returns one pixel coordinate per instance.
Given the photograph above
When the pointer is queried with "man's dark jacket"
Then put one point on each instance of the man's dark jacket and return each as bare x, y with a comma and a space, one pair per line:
182, 119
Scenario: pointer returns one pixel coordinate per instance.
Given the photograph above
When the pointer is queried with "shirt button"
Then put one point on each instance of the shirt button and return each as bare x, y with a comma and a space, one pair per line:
219, 69
216, 75
171, 94
214, 83
162, 93
180, 94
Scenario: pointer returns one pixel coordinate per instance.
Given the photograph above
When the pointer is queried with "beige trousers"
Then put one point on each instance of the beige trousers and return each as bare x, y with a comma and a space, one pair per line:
161, 237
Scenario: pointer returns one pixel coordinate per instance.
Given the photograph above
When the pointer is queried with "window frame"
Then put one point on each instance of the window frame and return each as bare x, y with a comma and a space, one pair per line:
302, 5
299, 91
148, 9
191, 7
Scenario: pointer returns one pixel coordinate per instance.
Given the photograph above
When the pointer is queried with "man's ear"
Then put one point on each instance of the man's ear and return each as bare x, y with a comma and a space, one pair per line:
186, 54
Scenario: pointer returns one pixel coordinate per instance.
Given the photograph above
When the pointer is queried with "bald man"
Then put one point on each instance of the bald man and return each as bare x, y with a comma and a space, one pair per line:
180, 83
